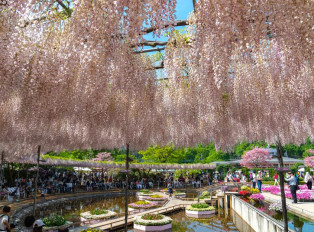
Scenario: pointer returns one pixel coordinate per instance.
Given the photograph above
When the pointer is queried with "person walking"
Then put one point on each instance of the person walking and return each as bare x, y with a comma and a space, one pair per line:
308, 180
293, 186
259, 181
254, 179
276, 179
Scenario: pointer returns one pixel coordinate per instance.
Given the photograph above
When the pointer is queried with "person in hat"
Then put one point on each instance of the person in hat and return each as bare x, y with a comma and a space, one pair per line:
38, 226
293, 186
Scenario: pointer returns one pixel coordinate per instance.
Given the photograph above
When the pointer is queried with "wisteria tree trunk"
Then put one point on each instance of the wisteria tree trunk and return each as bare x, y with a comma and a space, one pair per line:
282, 186
36, 180
126, 187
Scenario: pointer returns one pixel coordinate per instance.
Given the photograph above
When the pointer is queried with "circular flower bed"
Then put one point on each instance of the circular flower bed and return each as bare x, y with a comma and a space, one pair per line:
55, 222
166, 190
143, 205
152, 222
90, 230
200, 210
144, 193
98, 214
179, 194
155, 198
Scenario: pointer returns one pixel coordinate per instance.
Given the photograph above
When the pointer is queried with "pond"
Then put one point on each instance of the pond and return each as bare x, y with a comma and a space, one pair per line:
72, 209
182, 223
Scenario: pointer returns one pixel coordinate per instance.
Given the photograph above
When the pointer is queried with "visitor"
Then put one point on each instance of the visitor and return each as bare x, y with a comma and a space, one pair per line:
5, 219
243, 179
293, 186
254, 179
28, 223
297, 176
276, 179
259, 178
308, 180
38, 226
170, 190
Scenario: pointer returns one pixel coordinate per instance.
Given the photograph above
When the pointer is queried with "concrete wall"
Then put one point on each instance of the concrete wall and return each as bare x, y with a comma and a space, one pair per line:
256, 219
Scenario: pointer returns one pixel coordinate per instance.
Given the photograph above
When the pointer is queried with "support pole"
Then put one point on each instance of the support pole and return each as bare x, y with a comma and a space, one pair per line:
36, 180
282, 186
126, 188
2, 172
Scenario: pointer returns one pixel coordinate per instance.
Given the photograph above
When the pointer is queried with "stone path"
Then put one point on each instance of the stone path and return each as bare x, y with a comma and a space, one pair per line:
304, 209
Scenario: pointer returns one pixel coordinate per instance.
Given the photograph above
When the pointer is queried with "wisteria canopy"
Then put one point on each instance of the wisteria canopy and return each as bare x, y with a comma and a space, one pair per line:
69, 77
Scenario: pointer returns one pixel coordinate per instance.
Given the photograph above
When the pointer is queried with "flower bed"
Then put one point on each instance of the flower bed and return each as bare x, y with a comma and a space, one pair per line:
98, 214
143, 205
90, 230
155, 198
55, 222
303, 194
257, 197
152, 222
179, 194
276, 206
200, 210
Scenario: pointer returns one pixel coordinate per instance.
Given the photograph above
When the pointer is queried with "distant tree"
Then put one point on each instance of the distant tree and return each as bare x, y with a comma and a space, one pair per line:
258, 157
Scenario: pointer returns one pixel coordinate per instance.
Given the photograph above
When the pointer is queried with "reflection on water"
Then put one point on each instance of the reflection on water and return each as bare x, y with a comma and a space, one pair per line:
72, 209
182, 223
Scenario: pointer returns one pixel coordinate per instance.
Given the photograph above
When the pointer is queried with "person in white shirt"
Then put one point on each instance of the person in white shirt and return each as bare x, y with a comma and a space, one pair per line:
308, 180
254, 179
5, 219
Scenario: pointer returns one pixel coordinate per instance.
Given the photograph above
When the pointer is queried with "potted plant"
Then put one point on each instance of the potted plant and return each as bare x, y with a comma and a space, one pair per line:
55, 222
152, 222
200, 210
142, 205
98, 214
158, 199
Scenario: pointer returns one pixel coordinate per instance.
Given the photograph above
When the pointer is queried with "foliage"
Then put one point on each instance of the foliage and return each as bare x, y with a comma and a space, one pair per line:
152, 216
254, 190
167, 154
244, 187
258, 157
54, 220
205, 194
199, 205
144, 191
98, 211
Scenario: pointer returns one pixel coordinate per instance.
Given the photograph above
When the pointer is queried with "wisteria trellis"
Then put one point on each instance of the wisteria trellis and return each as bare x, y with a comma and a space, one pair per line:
74, 82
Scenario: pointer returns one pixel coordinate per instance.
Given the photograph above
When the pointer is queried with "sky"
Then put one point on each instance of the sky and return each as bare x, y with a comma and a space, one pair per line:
183, 9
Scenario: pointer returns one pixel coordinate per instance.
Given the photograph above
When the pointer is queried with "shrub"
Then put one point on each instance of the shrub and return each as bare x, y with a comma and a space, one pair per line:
152, 217
199, 205
205, 194
98, 211
54, 220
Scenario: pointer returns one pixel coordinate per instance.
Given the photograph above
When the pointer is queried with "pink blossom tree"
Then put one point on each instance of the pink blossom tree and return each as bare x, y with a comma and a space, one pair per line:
103, 156
258, 157
309, 161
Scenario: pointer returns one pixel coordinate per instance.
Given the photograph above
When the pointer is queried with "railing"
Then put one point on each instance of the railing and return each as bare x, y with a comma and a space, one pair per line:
121, 221
251, 219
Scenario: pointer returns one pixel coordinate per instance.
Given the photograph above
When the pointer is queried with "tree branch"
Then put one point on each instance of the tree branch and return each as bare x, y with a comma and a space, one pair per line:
151, 43
176, 24
150, 50
64, 7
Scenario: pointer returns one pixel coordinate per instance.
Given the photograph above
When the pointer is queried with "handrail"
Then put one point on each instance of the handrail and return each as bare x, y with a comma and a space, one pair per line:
261, 213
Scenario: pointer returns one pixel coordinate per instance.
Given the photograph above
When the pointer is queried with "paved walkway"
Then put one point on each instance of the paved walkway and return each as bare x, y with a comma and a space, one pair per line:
304, 209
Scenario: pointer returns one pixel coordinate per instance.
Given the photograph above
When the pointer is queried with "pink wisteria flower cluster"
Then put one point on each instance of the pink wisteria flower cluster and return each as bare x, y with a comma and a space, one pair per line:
257, 197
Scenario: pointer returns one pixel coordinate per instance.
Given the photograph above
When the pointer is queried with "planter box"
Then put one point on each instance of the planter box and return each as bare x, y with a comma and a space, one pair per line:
56, 228
200, 214
163, 228
88, 215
